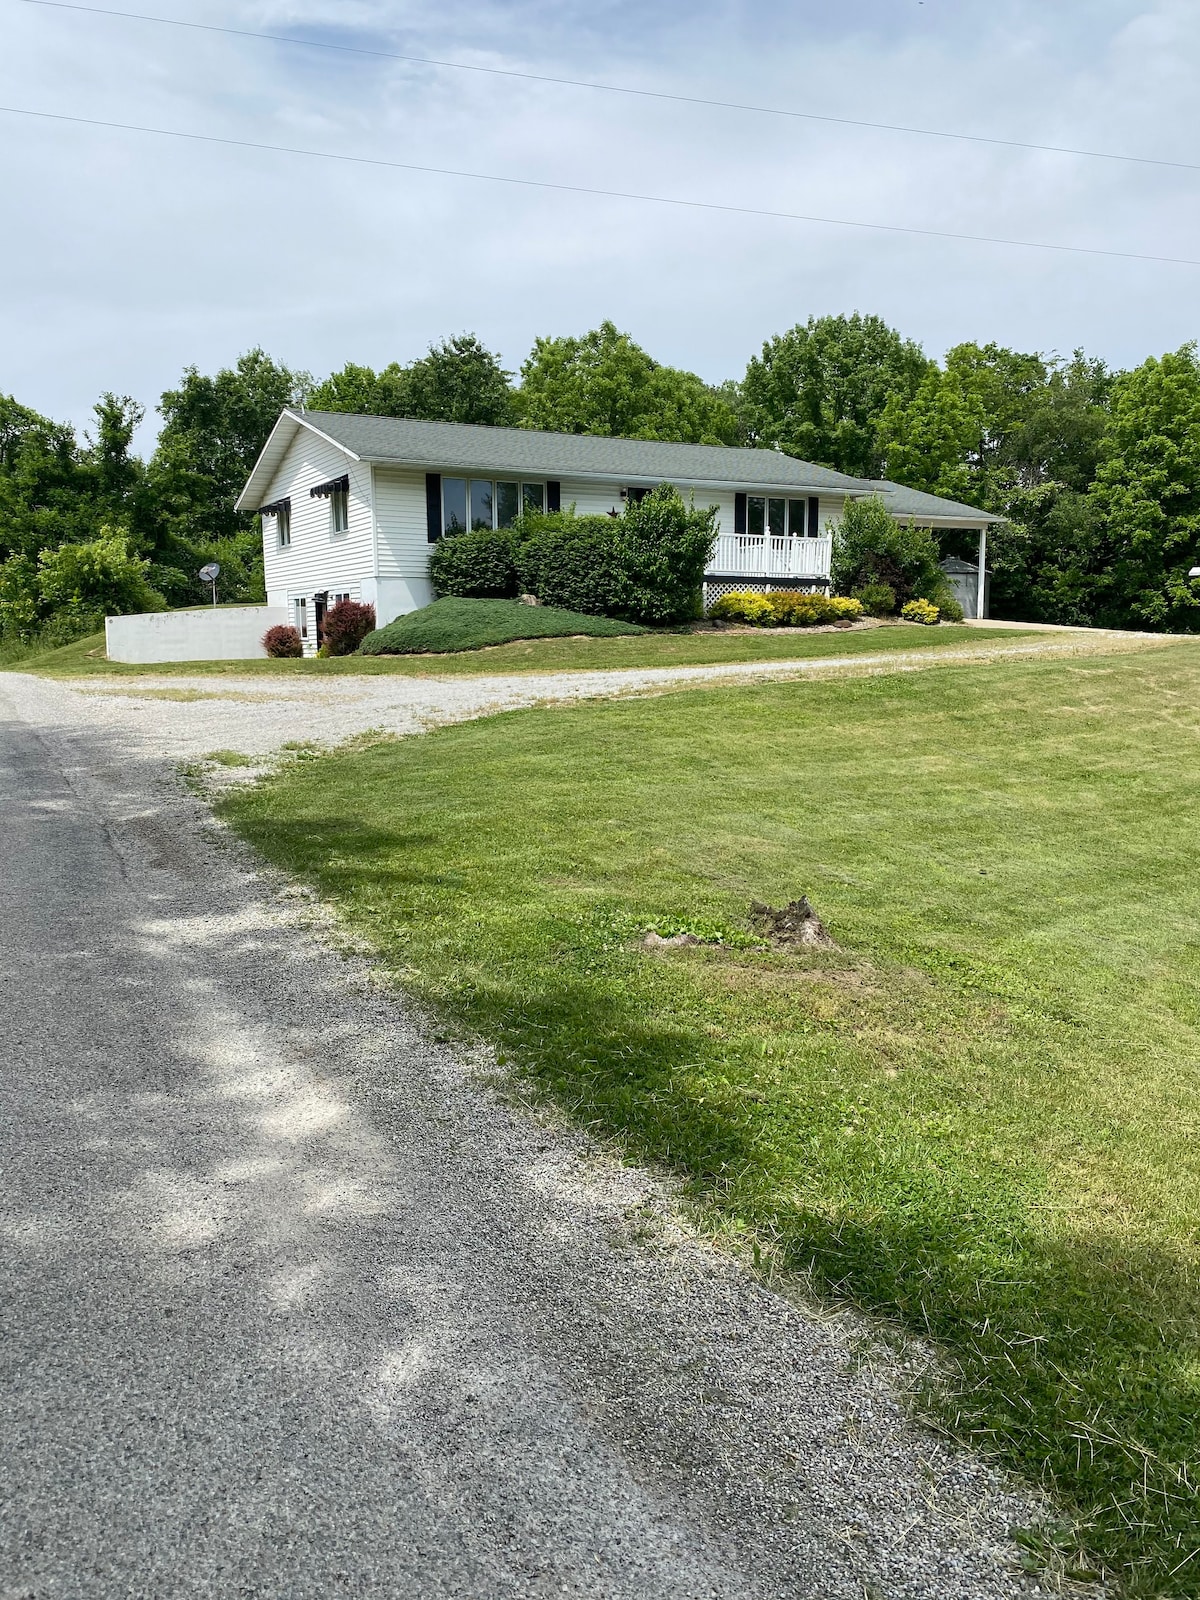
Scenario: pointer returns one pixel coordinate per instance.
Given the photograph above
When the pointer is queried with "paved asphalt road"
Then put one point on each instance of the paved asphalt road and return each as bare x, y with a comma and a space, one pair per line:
291, 1306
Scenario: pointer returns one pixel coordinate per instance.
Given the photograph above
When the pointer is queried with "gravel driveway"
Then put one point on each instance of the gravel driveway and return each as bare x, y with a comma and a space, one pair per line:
186, 717
294, 1306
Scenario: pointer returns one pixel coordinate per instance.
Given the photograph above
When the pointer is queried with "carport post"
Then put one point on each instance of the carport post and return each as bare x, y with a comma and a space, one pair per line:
981, 583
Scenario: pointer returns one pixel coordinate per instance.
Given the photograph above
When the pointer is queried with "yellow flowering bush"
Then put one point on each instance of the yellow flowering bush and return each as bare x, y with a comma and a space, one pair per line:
743, 606
785, 608
920, 611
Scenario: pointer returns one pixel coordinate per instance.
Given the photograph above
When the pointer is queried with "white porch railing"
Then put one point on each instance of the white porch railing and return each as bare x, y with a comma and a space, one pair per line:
746, 555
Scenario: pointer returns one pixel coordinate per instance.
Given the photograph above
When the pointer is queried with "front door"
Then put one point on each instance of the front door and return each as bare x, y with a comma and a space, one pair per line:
320, 605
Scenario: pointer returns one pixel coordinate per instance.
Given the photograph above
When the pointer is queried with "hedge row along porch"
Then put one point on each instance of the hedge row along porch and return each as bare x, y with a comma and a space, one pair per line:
350, 505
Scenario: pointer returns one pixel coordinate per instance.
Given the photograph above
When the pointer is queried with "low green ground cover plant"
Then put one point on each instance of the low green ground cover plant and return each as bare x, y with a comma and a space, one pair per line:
979, 1117
454, 624
784, 608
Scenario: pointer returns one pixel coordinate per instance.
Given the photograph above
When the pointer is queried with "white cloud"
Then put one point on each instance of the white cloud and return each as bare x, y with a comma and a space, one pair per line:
130, 256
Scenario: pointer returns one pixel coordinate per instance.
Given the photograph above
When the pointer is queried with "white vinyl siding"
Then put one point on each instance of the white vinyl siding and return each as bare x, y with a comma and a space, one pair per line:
317, 558
403, 536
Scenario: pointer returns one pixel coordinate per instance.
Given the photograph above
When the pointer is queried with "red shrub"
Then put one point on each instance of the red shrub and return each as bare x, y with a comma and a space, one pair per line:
345, 627
282, 642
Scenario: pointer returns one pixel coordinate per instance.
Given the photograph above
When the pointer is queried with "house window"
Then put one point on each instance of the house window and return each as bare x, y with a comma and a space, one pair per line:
454, 505
780, 518
485, 503
302, 618
508, 504
339, 509
283, 524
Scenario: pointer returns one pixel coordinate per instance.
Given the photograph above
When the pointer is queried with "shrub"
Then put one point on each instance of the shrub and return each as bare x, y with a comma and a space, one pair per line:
743, 605
665, 548
785, 608
480, 564
947, 604
73, 587
457, 624
878, 599
282, 642
871, 547
792, 609
572, 562
647, 565
346, 625
920, 611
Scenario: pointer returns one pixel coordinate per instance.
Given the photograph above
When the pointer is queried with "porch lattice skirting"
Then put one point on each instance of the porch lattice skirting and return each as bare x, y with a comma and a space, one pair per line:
715, 588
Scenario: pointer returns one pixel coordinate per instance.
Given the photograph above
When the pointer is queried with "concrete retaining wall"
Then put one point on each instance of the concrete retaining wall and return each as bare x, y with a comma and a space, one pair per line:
219, 633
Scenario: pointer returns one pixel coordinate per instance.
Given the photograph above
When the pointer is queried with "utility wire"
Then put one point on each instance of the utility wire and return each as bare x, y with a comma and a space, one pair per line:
617, 88
607, 194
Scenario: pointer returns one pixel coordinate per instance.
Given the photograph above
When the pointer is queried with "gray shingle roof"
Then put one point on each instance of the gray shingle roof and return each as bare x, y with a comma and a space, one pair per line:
902, 502
441, 445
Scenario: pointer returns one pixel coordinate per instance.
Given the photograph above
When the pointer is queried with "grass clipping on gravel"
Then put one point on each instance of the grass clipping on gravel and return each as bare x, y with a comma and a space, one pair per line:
453, 624
980, 1117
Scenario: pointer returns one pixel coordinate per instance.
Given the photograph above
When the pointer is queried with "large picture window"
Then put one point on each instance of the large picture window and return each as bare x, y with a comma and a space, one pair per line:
487, 502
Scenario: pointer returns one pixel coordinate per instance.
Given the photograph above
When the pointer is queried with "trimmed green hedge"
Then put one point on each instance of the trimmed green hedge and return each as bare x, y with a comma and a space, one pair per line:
645, 566
454, 623
478, 565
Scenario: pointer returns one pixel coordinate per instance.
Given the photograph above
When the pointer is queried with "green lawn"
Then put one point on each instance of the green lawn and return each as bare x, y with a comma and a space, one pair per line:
981, 1118
86, 656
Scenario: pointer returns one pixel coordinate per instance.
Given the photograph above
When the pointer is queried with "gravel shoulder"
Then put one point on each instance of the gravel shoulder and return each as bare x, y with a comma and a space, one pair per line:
295, 1305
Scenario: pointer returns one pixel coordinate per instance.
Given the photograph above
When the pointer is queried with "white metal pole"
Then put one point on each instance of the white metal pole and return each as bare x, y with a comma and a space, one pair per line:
980, 584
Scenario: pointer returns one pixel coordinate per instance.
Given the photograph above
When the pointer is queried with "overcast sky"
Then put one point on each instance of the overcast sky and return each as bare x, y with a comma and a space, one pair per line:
127, 257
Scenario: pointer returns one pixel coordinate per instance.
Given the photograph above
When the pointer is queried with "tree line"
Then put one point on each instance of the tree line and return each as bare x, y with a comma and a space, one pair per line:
1096, 471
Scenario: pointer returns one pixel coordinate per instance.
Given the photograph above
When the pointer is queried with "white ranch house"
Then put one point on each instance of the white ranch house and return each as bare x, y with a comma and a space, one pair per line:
351, 505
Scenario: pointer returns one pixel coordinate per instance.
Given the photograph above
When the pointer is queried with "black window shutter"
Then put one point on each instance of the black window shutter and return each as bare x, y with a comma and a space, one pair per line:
814, 516
433, 506
554, 496
739, 513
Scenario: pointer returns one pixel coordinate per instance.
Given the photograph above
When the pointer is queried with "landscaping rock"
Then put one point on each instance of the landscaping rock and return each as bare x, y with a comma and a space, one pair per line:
796, 924
655, 941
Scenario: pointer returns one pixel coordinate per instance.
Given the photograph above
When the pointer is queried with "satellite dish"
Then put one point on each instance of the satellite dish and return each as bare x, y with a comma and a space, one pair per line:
211, 572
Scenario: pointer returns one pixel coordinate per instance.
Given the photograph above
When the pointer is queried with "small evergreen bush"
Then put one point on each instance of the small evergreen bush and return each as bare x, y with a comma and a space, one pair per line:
282, 643
479, 564
878, 599
948, 605
346, 625
923, 611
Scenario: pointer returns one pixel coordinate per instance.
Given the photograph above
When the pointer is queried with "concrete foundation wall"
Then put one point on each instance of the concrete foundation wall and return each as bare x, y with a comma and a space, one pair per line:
220, 633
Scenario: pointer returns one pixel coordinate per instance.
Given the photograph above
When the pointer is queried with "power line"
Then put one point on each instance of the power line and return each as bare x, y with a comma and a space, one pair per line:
617, 88
605, 194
